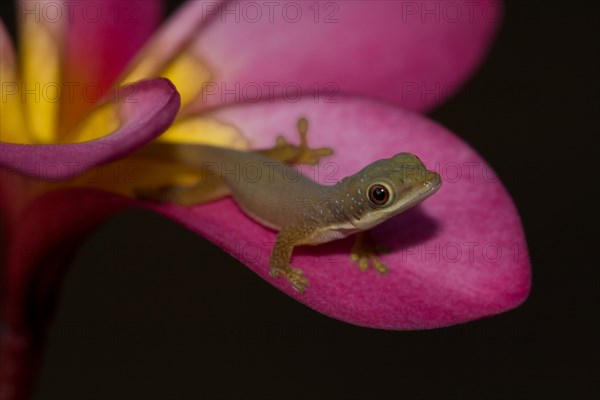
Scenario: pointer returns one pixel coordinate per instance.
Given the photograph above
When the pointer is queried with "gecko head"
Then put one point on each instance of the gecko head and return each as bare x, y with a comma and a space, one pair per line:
391, 186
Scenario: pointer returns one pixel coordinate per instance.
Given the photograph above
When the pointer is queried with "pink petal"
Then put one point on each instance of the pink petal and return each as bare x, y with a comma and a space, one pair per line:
415, 54
174, 34
445, 262
147, 109
102, 37
429, 284
459, 256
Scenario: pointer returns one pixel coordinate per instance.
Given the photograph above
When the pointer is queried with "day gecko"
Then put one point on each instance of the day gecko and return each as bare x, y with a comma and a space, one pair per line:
303, 211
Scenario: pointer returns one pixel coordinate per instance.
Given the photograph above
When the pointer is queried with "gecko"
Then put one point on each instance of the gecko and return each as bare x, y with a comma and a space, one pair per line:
301, 210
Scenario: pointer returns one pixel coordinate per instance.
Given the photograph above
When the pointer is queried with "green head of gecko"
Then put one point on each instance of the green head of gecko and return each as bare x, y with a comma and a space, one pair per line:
388, 187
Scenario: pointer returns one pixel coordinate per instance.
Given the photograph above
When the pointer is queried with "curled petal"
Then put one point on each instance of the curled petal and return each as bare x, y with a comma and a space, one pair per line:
137, 171
459, 256
145, 109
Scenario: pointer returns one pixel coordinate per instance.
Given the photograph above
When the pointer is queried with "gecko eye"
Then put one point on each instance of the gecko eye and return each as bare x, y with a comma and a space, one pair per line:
379, 195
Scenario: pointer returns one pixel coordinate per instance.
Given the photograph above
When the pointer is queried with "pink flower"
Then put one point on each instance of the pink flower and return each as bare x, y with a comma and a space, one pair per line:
243, 79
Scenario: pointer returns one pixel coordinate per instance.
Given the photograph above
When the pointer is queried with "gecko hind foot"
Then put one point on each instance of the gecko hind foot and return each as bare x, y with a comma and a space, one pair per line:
365, 253
302, 153
364, 260
295, 277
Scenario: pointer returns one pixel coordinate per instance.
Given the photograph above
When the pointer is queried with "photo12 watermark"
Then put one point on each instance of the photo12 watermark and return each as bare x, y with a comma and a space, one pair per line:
91, 12
269, 92
65, 92
253, 12
429, 11
471, 252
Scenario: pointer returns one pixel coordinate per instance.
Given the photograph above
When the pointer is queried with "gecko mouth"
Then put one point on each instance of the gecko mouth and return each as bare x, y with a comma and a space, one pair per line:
429, 188
432, 185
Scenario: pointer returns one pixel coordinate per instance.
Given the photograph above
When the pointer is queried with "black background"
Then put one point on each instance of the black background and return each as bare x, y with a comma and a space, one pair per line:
151, 311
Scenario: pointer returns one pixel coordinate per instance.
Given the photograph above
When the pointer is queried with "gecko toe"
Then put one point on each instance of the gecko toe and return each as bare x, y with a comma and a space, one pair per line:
294, 276
378, 265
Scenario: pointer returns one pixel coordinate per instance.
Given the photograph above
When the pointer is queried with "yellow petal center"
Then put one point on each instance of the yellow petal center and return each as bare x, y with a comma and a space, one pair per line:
40, 87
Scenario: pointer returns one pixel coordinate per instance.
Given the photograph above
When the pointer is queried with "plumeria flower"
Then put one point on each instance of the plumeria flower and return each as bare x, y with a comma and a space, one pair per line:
91, 86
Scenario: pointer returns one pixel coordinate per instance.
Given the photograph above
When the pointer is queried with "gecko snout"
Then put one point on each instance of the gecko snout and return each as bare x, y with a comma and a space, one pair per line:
433, 181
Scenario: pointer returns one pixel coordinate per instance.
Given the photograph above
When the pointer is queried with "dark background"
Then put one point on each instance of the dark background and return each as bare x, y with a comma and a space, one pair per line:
151, 311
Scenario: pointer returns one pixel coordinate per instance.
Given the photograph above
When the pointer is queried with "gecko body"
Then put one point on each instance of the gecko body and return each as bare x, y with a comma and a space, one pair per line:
303, 211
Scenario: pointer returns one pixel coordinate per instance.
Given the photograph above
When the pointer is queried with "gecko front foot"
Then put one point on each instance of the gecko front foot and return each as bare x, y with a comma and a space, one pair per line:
294, 275
303, 153
364, 253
